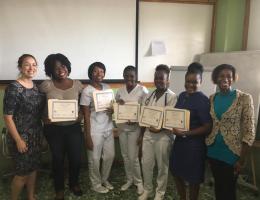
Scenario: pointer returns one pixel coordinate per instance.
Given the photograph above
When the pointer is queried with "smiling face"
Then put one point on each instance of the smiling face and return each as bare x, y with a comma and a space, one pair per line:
130, 78
225, 80
28, 68
192, 82
161, 80
98, 74
60, 71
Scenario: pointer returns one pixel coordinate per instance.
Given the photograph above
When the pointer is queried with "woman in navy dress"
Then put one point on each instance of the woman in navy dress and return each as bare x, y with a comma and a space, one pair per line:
188, 154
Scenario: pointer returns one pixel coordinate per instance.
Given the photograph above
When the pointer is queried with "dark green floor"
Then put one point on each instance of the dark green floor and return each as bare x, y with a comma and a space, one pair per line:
45, 188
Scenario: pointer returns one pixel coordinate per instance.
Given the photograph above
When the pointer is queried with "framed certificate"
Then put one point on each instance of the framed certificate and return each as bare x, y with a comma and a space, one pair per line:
129, 112
62, 110
103, 99
176, 118
151, 116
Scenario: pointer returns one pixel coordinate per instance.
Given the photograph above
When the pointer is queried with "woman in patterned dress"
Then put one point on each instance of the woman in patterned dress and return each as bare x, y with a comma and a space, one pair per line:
22, 114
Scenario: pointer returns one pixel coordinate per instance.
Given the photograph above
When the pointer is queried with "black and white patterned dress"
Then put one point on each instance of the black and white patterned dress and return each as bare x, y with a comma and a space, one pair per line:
26, 106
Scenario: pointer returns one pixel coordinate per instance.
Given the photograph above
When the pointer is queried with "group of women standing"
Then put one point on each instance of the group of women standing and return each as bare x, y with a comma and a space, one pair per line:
221, 129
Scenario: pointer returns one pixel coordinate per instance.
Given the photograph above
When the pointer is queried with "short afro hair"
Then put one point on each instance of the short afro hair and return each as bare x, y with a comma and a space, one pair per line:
93, 65
129, 68
163, 68
219, 68
51, 60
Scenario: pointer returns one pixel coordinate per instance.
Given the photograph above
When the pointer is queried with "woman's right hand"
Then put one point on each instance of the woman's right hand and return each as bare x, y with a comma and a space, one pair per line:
139, 140
89, 142
46, 120
21, 146
120, 101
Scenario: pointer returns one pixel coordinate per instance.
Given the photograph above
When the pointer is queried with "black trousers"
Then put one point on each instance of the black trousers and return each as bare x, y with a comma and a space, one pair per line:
225, 180
65, 141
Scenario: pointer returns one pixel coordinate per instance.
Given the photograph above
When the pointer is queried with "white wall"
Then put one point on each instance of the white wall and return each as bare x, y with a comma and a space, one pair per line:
103, 30
254, 26
177, 80
84, 30
184, 28
248, 70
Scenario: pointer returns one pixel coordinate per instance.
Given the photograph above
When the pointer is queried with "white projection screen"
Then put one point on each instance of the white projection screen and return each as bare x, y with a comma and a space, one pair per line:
84, 30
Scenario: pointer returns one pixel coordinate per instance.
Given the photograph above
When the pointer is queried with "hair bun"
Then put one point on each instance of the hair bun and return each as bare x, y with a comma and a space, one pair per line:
195, 67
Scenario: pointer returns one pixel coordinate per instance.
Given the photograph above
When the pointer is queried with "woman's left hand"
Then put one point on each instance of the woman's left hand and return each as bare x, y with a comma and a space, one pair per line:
110, 111
154, 130
80, 117
238, 166
130, 123
178, 132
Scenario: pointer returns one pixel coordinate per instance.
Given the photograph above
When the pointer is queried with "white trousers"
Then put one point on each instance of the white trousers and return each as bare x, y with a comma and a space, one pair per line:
129, 150
156, 147
103, 147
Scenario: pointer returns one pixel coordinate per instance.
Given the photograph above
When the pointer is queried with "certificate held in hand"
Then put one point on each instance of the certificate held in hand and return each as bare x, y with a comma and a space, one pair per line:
62, 110
176, 118
151, 116
128, 112
103, 99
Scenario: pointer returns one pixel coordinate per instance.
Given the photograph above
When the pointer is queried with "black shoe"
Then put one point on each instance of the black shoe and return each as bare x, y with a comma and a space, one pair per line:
76, 190
59, 195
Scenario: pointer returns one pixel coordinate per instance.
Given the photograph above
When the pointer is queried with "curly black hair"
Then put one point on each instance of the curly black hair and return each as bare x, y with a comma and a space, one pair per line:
93, 65
219, 68
51, 60
164, 68
129, 68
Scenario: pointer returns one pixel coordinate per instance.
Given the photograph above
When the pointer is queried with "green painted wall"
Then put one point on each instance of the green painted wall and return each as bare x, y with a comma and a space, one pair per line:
229, 36
229, 25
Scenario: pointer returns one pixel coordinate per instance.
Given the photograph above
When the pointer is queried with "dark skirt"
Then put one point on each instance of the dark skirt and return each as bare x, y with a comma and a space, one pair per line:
187, 159
26, 163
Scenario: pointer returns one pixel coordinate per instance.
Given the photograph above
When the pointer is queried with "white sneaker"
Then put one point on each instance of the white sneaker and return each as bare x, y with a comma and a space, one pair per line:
107, 185
146, 194
126, 185
100, 189
140, 188
158, 196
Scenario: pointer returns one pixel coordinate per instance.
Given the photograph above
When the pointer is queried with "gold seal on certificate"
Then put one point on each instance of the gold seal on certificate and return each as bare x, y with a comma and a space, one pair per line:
103, 99
176, 118
129, 112
62, 110
151, 116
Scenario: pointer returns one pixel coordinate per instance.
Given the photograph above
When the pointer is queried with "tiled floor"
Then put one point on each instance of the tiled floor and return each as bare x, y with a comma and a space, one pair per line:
45, 189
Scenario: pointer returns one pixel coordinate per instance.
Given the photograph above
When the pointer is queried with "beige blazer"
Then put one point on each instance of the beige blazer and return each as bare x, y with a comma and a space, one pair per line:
236, 124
